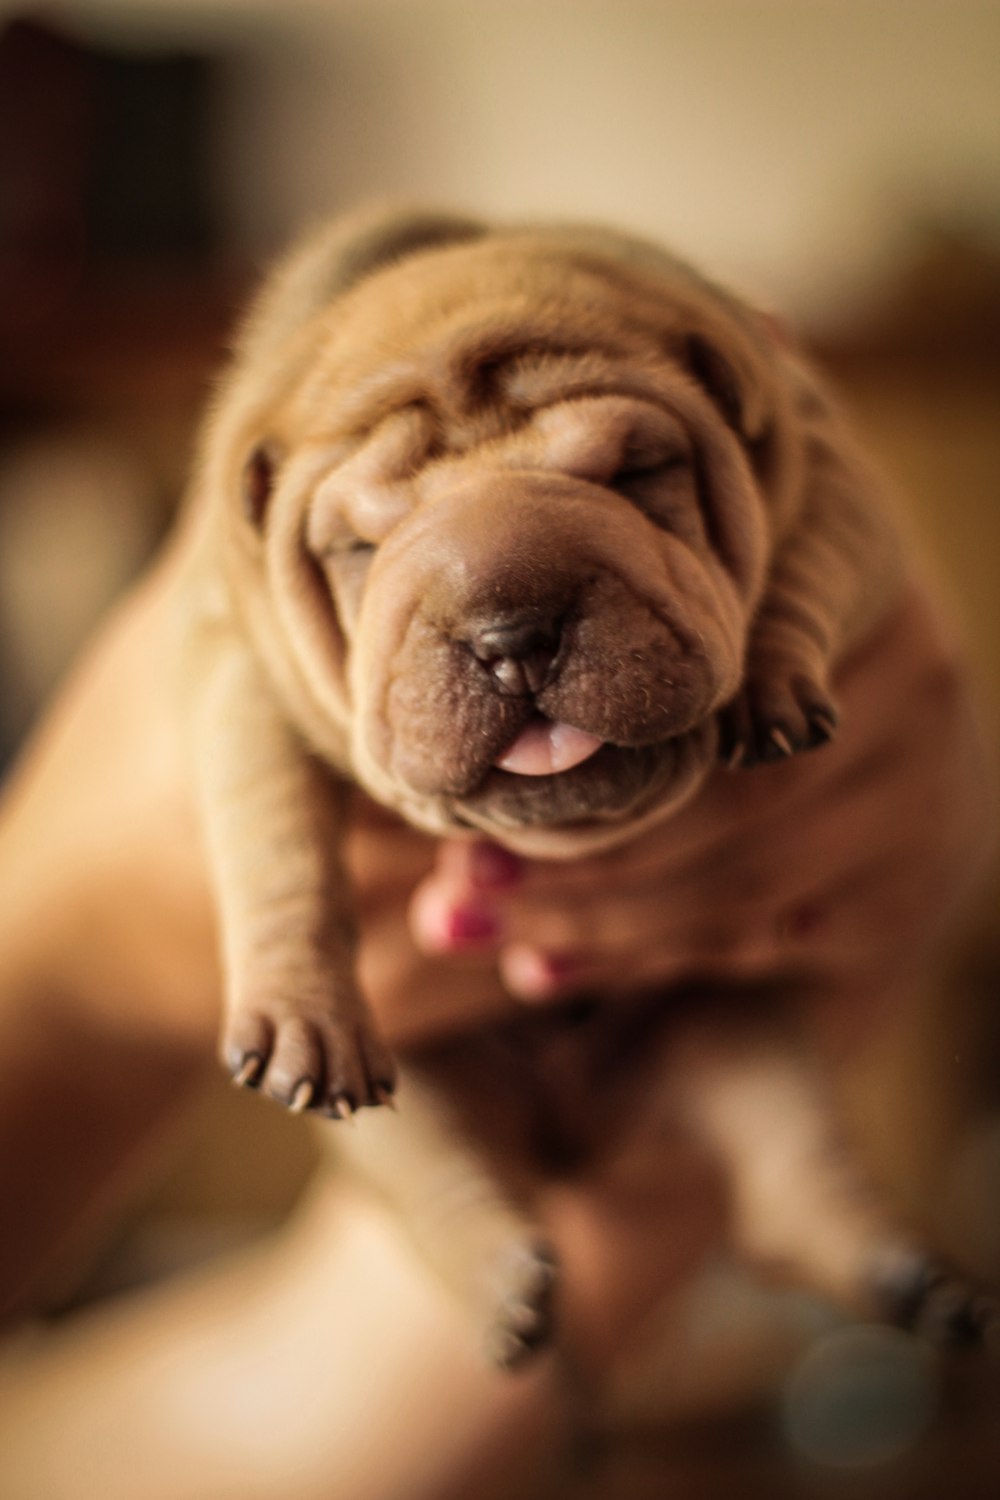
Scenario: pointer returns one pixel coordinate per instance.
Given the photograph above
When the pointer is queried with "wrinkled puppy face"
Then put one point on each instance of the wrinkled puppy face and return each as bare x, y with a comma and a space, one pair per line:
512, 548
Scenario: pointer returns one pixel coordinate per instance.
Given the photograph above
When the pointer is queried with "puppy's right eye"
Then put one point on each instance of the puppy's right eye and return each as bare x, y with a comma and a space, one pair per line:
348, 551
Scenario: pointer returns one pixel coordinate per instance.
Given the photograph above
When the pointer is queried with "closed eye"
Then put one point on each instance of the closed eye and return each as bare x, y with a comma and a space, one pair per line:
347, 547
666, 492
345, 563
647, 471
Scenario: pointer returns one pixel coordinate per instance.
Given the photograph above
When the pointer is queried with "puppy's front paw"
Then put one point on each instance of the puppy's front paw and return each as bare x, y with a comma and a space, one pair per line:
307, 1062
774, 717
524, 1279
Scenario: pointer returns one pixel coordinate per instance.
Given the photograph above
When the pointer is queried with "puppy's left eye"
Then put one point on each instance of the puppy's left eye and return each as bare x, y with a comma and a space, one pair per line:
666, 491
653, 483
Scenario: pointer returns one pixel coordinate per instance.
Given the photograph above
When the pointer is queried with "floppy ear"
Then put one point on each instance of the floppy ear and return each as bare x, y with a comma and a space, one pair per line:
268, 355
735, 392
257, 483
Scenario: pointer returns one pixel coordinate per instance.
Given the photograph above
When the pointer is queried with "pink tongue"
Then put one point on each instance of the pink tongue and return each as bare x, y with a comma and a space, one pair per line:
544, 748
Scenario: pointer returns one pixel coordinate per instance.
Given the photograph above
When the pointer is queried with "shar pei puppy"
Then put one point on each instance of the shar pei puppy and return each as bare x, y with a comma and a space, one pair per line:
532, 535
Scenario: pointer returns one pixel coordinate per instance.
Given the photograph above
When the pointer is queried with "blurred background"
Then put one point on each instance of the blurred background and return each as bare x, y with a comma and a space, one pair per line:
837, 160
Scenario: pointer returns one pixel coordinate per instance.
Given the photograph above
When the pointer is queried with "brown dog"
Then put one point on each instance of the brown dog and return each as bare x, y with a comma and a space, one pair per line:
522, 532
499, 533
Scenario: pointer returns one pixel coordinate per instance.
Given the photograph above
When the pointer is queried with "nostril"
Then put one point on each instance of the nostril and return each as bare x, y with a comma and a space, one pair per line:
518, 653
516, 639
520, 675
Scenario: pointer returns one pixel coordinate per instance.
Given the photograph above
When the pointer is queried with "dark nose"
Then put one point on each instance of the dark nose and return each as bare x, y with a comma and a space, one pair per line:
519, 651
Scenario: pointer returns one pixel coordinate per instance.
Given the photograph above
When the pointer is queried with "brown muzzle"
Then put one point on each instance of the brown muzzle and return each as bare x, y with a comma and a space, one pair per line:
519, 594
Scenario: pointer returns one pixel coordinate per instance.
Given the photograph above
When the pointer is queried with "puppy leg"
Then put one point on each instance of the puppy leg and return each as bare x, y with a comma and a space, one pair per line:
801, 1205
831, 575
463, 1221
296, 1024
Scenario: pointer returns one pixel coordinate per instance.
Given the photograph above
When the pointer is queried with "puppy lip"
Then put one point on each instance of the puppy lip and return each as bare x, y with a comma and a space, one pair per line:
604, 793
544, 747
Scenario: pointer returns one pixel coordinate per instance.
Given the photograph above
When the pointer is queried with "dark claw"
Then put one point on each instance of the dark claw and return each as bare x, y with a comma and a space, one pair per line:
773, 718
303, 1095
773, 745
340, 1106
249, 1071
822, 728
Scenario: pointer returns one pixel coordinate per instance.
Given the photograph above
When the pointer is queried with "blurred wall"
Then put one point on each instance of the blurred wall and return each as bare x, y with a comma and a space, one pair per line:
791, 144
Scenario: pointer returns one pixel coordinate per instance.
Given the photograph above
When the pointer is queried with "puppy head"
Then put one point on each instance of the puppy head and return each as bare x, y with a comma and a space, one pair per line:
501, 532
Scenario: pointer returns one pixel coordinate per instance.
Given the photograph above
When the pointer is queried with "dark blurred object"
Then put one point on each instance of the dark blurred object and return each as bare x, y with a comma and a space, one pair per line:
112, 279
946, 297
148, 193
45, 124
943, 303
102, 159
115, 299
